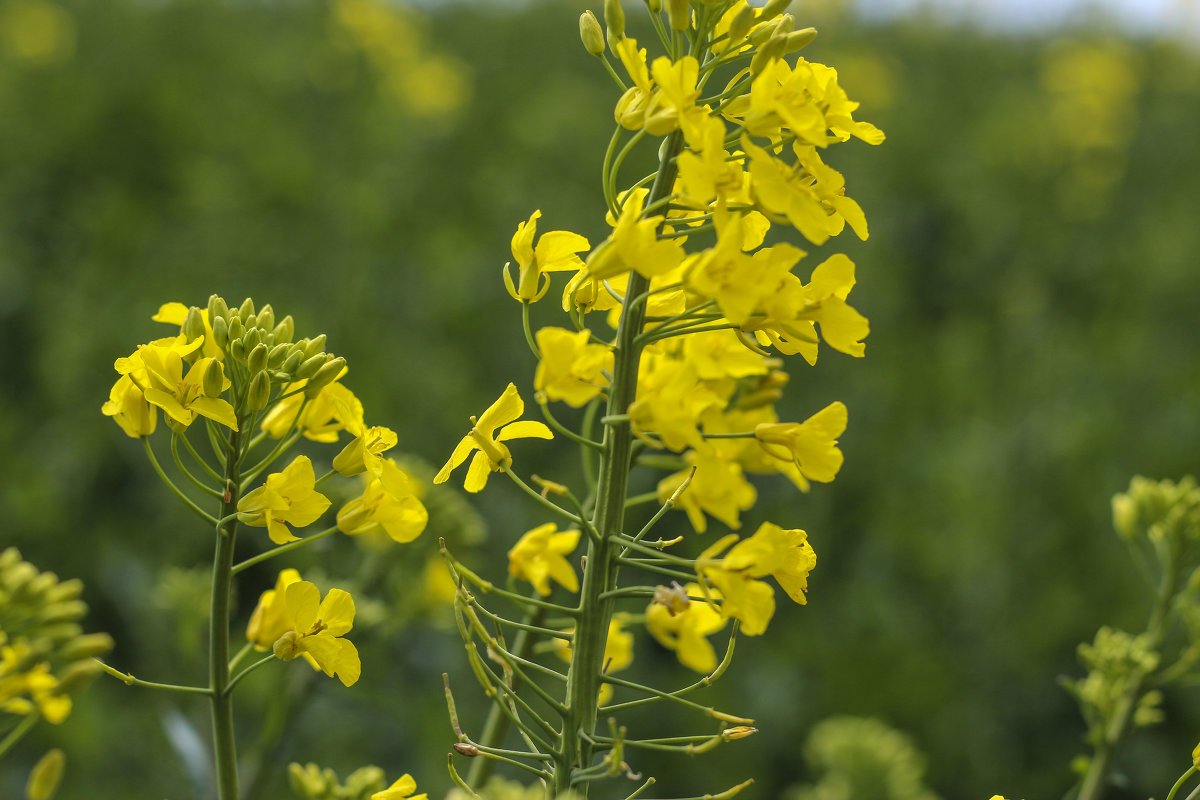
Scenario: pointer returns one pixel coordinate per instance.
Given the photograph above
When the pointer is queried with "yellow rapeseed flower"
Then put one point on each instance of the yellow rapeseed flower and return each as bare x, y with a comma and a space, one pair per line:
315, 628
540, 555
491, 453
286, 497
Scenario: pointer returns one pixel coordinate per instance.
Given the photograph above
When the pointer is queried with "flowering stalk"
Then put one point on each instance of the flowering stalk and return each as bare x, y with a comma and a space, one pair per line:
687, 371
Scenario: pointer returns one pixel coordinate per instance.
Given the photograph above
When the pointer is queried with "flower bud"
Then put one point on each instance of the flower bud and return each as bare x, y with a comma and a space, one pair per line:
773, 8
193, 324
292, 362
251, 340
89, 645
213, 378
216, 308
310, 366
237, 329
76, 676
315, 346
46, 774
278, 354
259, 393
614, 21
221, 332
62, 612
679, 14
285, 648
256, 361
768, 54
325, 376
266, 317
247, 310
655, 6
285, 330
738, 732
590, 33
60, 592
237, 350
741, 24
798, 40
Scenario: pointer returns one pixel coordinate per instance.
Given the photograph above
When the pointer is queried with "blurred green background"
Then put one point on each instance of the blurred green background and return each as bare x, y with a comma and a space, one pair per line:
1031, 281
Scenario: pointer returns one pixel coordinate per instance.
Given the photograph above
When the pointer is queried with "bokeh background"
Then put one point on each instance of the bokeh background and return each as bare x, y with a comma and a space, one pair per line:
1031, 280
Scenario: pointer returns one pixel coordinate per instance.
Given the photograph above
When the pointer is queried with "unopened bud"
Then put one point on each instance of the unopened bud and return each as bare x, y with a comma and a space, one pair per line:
614, 21
798, 40
69, 611
56, 592
220, 332
46, 774
315, 346
741, 24
738, 732
466, 749
679, 14
237, 349
247, 310
251, 340
768, 54
278, 355
89, 645
285, 330
325, 376
266, 317
193, 324
590, 33
216, 308
213, 379
76, 676
773, 8
259, 393
236, 329
285, 647
256, 361
309, 366
292, 363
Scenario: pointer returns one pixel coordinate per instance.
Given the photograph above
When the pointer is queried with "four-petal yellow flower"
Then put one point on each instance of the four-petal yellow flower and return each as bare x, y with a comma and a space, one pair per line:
491, 454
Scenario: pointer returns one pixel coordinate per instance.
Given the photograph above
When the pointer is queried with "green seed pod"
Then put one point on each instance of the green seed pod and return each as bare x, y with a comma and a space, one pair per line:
221, 332
325, 376
315, 346
310, 366
247, 310
278, 354
679, 14
259, 393
266, 317
798, 40
45, 777
213, 380
216, 308
285, 330
193, 324
256, 361
590, 33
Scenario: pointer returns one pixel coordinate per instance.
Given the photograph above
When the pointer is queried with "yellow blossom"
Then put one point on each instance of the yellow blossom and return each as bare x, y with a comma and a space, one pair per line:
402, 789
287, 497
389, 503
315, 628
717, 487
571, 368
270, 619
182, 397
492, 455
750, 601
684, 630
128, 407
362, 454
634, 245
540, 555
618, 653
555, 251
317, 419
810, 445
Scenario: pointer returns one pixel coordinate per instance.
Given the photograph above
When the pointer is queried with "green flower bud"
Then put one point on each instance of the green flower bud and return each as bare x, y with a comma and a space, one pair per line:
61, 592
69, 611
315, 346
590, 33
614, 20
266, 317
251, 322
655, 6
278, 354
767, 54
679, 14
46, 774
236, 329
213, 380
292, 362
325, 376
741, 24
237, 350
306, 781
256, 361
87, 646
252, 339
193, 324
285, 330
310, 366
76, 676
216, 309
798, 40
247, 310
221, 332
774, 8
259, 393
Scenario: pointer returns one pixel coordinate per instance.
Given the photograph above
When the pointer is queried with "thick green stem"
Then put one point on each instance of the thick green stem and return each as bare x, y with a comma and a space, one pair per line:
595, 609
224, 745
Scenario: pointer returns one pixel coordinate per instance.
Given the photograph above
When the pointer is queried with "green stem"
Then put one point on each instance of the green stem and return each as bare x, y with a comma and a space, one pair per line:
17, 733
209, 518
1179, 783
224, 742
595, 612
129, 680
281, 549
237, 678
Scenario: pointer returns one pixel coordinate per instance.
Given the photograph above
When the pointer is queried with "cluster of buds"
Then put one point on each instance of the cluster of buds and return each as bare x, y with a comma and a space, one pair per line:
1118, 664
45, 656
266, 348
1160, 510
